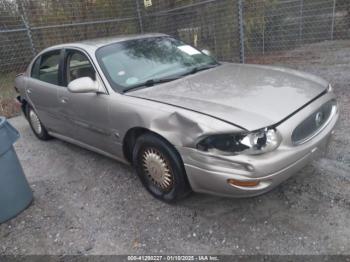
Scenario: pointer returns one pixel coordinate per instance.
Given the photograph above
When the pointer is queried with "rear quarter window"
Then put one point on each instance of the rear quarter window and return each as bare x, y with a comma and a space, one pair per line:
35, 68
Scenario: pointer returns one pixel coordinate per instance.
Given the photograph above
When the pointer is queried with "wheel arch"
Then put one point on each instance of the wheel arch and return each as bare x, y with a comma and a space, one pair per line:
133, 134
24, 105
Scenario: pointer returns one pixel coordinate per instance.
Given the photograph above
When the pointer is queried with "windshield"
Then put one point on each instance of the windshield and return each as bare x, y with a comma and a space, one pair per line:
136, 62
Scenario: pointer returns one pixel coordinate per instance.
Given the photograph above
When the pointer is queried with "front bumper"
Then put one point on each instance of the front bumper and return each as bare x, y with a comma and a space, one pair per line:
209, 173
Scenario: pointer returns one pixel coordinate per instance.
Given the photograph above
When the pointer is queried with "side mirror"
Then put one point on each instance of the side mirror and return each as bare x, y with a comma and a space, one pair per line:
206, 52
83, 85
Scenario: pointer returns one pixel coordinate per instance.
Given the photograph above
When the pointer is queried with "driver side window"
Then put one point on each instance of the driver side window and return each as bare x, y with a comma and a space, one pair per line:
78, 65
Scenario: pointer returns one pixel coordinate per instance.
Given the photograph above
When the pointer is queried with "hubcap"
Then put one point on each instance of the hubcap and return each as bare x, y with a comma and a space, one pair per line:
34, 120
157, 169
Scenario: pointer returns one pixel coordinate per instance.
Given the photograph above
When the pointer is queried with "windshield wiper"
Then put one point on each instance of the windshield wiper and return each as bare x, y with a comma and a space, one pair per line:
151, 82
200, 68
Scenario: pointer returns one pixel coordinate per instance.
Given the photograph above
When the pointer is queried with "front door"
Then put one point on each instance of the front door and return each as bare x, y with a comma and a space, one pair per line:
86, 114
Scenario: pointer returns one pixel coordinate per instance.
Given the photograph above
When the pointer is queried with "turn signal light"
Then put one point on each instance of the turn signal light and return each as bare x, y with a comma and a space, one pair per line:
234, 182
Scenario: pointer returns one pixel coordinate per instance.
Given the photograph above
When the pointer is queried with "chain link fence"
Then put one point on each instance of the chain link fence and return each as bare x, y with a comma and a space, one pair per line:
254, 31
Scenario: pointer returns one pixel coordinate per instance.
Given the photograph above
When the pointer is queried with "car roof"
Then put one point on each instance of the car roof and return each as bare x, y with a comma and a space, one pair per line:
99, 42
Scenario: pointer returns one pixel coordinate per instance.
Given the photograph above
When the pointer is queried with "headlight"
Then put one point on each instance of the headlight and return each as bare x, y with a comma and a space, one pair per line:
253, 143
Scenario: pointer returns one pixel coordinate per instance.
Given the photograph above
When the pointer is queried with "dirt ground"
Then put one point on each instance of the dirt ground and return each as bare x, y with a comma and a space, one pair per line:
88, 204
8, 107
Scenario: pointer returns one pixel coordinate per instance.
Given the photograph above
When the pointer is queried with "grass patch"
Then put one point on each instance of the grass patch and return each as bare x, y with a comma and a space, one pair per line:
8, 107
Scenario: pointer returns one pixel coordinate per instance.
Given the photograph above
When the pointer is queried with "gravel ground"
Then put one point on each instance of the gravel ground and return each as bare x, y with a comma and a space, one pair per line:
88, 204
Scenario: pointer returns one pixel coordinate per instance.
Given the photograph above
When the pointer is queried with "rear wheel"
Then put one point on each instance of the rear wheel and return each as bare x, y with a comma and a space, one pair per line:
160, 168
36, 125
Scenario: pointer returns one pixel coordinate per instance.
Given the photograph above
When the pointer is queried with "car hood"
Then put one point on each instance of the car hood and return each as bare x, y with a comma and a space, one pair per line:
249, 96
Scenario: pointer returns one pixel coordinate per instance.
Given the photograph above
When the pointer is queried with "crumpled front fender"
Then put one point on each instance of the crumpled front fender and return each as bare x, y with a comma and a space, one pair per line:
181, 127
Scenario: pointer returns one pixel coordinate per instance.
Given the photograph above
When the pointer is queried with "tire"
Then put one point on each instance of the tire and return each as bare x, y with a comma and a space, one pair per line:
160, 168
37, 127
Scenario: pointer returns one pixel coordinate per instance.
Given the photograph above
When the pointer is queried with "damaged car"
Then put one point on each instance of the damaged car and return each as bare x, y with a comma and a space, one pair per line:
185, 121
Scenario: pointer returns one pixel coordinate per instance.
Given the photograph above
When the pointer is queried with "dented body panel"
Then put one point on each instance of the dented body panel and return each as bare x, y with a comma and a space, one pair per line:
228, 99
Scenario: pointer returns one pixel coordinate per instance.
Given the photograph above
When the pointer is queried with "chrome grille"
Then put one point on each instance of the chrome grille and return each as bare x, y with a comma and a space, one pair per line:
314, 123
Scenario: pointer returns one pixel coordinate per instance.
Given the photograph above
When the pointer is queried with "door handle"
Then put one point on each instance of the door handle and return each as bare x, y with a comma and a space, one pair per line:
64, 100
29, 91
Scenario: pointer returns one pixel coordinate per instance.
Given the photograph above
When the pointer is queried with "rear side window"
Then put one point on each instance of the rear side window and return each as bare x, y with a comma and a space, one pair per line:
46, 68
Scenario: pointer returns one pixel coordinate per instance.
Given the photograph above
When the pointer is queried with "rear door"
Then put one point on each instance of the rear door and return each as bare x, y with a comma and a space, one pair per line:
43, 85
85, 114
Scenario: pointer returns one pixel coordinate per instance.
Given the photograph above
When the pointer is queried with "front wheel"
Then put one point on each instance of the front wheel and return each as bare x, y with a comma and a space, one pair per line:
160, 168
38, 129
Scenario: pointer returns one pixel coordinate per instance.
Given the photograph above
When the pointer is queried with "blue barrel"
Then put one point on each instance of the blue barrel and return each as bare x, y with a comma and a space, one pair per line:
15, 193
